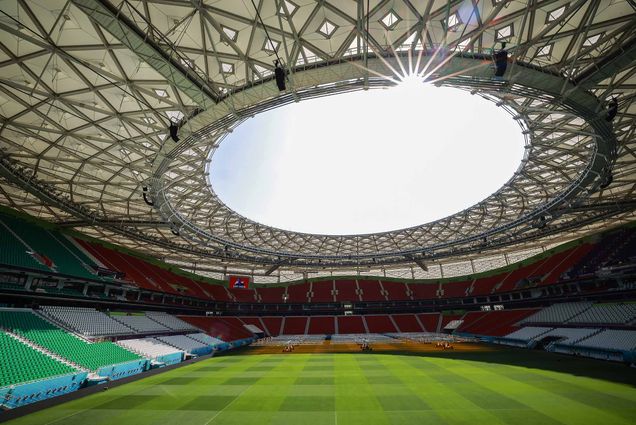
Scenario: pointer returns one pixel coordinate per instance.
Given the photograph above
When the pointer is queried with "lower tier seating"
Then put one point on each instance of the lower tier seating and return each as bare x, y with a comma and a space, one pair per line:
182, 342
205, 339
21, 363
91, 356
218, 327
148, 347
613, 339
170, 322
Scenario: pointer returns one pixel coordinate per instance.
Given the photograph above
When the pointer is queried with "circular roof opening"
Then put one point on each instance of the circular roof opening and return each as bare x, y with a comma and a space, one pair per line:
368, 161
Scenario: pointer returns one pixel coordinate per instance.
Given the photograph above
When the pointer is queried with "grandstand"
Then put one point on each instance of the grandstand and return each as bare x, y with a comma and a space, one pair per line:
121, 259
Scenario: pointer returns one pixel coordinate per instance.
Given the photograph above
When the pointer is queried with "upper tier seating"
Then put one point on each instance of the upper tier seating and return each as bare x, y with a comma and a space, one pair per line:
148, 347
528, 333
170, 322
607, 313
21, 363
86, 321
622, 340
614, 248
558, 313
15, 253
424, 291
322, 292
91, 356
47, 243
297, 293
455, 289
395, 291
347, 290
271, 295
182, 342
371, 290
141, 324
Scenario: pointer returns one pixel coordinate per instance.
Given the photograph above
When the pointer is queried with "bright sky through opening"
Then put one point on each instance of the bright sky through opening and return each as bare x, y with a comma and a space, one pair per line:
368, 161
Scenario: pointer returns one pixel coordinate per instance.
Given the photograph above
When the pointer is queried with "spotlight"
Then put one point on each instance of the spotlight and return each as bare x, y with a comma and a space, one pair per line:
612, 110
501, 61
145, 194
540, 223
279, 73
174, 132
607, 180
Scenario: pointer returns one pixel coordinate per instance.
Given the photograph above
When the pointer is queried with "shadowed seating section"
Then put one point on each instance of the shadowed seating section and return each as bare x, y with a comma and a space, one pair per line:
322, 292
558, 313
91, 356
58, 256
395, 291
170, 322
347, 290
407, 323
324, 325
21, 363
295, 325
613, 339
455, 289
271, 295
86, 321
225, 329
297, 293
496, 323
272, 325
15, 253
429, 321
607, 313
380, 323
371, 290
569, 336
351, 325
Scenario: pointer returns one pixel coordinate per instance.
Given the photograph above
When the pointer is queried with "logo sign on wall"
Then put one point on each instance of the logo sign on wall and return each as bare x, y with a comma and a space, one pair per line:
241, 282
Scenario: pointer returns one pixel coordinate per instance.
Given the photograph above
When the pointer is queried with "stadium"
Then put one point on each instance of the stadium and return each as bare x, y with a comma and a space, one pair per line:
455, 241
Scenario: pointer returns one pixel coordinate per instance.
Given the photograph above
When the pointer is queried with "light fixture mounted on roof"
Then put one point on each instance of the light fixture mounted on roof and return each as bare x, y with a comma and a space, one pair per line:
147, 200
174, 132
612, 110
279, 74
501, 61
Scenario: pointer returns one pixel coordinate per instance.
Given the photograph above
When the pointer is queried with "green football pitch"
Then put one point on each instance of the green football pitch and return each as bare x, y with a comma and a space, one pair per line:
501, 387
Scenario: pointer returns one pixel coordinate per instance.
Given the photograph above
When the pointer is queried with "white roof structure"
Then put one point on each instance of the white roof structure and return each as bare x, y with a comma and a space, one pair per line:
89, 89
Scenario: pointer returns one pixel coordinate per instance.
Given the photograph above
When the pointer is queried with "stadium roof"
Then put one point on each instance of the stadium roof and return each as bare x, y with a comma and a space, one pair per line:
89, 88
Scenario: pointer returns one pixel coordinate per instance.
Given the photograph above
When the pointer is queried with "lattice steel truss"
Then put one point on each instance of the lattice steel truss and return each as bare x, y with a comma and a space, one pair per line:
89, 88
